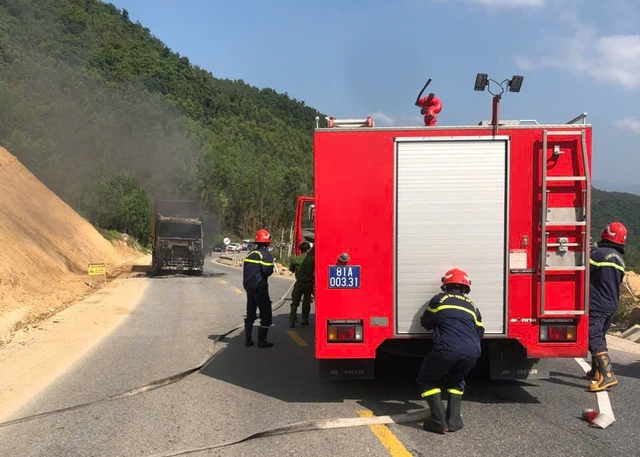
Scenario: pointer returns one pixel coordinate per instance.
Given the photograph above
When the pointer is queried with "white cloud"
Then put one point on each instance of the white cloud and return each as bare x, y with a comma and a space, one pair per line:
613, 58
630, 124
525, 64
379, 118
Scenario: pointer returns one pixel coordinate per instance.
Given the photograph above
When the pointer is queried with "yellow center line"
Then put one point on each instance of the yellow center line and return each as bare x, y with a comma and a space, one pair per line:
297, 338
392, 444
238, 291
222, 281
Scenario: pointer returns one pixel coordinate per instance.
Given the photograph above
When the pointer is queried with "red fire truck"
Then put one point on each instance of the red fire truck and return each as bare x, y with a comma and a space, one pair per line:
395, 207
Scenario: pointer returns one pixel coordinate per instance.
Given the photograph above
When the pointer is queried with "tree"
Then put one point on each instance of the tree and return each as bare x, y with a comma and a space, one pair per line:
118, 203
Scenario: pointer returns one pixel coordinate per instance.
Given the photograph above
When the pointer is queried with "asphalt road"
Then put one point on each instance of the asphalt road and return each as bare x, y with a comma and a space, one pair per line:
246, 390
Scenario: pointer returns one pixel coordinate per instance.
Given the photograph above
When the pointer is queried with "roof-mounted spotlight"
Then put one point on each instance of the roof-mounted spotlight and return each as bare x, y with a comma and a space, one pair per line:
515, 83
512, 85
482, 81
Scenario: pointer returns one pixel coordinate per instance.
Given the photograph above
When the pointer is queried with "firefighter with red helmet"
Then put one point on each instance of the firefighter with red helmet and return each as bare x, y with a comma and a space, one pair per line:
257, 267
606, 275
458, 331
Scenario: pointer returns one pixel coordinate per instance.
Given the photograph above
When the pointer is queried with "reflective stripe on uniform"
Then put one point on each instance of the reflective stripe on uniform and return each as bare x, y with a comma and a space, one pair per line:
266, 264
260, 262
606, 264
428, 393
454, 391
460, 308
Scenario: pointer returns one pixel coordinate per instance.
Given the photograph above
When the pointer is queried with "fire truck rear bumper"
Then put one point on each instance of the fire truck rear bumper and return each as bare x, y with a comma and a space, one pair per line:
347, 368
508, 359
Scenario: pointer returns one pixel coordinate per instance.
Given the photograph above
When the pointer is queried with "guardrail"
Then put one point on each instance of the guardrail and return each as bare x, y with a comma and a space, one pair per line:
234, 258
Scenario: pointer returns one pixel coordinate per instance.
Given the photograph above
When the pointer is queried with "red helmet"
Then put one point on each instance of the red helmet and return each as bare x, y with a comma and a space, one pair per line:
614, 232
262, 236
456, 276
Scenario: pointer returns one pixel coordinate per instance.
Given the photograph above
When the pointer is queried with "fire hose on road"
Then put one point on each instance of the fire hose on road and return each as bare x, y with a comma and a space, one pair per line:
603, 421
323, 424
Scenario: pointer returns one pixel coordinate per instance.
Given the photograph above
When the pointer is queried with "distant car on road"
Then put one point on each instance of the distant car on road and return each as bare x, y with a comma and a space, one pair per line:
234, 247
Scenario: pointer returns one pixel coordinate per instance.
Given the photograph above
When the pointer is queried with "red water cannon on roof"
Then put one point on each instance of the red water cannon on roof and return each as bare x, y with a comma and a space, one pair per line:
429, 106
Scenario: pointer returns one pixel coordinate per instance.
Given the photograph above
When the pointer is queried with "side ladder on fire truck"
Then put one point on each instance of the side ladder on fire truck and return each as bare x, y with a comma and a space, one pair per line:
558, 218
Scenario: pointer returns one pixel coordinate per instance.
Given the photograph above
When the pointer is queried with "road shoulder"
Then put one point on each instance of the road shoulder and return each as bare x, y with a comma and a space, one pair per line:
37, 356
620, 344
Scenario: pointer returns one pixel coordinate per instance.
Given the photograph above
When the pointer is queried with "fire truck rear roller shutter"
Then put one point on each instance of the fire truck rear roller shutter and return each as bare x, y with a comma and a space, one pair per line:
450, 216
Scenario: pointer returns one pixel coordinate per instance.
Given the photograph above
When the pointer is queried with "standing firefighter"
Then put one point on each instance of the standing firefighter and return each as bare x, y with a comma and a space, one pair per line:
458, 330
302, 266
258, 266
606, 274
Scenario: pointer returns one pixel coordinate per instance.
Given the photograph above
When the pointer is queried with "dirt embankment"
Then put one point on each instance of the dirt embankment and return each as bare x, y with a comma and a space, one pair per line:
633, 281
630, 298
45, 248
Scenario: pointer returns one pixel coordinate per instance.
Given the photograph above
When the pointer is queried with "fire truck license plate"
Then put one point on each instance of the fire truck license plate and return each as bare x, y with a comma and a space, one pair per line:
344, 277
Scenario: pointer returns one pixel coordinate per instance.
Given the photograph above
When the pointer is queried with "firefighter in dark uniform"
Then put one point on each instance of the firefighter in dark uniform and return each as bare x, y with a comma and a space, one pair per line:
606, 275
458, 330
303, 287
258, 266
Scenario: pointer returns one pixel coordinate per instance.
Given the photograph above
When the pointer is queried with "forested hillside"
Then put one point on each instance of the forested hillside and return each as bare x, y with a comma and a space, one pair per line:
108, 117
616, 206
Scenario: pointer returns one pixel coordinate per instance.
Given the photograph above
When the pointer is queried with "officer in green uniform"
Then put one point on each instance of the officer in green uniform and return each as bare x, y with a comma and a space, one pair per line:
302, 266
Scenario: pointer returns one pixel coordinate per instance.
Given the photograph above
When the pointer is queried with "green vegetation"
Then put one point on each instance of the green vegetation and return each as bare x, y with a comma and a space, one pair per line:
622, 207
109, 118
87, 97
114, 235
120, 204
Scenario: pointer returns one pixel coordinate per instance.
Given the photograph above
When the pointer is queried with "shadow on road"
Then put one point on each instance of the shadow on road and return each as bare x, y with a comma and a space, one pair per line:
141, 269
555, 377
289, 372
631, 370
145, 271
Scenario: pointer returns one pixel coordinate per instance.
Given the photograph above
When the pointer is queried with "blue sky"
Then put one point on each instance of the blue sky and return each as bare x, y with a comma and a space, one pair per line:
356, 57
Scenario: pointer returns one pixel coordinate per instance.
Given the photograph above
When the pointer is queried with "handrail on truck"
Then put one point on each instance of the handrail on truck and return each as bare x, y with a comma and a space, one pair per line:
333, 122
581, 117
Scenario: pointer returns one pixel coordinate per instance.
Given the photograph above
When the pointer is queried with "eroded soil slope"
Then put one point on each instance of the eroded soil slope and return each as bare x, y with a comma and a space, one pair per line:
45, 246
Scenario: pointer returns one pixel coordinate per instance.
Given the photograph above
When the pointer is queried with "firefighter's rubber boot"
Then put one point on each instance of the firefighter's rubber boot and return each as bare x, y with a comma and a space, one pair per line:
262, 338
454, 418
604, 373
593, 374
437, 422
248, 330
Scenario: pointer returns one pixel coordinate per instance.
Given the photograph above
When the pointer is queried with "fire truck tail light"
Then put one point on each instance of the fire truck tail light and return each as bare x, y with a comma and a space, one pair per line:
344, 332
557, 333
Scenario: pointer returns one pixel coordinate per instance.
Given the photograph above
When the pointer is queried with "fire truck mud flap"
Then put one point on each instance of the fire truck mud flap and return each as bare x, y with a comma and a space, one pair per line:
508, 360
338, 369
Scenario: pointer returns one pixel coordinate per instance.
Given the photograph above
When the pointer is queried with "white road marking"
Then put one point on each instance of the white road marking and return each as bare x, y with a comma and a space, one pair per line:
605, 417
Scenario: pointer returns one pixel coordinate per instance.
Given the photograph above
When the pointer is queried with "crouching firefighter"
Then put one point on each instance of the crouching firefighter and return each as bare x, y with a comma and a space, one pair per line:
458, 330
258, 266
606, 275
